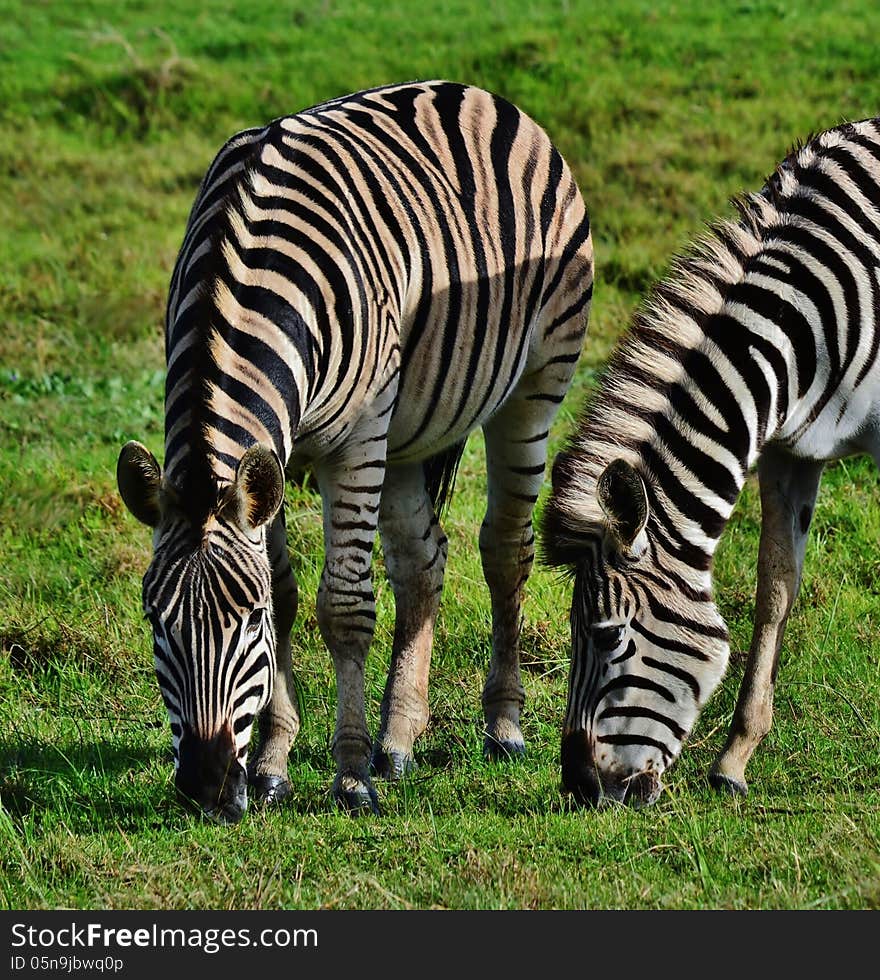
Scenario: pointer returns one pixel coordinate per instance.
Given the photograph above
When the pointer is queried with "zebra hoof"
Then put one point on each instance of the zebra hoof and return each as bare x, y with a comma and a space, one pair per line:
391, 764
268, 789
355, 795
501, 750
727, 784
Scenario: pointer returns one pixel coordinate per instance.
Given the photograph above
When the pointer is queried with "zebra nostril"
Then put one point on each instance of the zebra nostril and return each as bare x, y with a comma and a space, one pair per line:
642, 789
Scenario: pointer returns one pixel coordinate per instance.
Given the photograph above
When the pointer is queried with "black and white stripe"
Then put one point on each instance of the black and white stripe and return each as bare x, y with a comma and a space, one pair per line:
360, 286
759, 348
194, 603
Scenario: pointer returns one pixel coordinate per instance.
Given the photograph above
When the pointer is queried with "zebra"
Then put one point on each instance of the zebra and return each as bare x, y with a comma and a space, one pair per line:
758, 349
360, 286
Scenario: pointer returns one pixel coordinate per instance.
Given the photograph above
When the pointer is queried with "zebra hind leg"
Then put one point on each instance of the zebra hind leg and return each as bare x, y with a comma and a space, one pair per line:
278, 722
516, 453
414, 547
788, 495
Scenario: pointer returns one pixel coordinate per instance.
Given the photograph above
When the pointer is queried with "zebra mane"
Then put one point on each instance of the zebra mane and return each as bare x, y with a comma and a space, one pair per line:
195, 479
649, 358
201, 488
646, 362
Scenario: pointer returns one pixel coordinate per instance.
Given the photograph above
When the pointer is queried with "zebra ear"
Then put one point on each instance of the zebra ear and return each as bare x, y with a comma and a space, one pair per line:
623, 498
259, 486
138, 477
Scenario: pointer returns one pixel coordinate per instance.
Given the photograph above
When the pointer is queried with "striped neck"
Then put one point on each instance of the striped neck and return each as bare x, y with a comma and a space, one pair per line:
241, 359
676, 404
767, 331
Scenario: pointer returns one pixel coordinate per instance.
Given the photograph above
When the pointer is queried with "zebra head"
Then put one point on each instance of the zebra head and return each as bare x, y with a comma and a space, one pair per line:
648, 650
207, 594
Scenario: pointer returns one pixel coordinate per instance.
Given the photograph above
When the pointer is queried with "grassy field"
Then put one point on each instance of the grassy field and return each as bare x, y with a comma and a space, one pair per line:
109, 115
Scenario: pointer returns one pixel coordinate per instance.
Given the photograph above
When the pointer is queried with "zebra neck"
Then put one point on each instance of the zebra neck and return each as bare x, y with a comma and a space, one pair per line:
701, 442
699, 385
215, 410
658, 409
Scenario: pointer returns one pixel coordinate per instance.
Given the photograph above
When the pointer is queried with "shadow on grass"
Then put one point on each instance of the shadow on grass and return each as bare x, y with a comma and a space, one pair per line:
85, 784
96, 783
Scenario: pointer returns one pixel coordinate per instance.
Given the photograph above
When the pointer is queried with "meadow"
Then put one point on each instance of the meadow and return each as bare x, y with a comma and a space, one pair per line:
109, 115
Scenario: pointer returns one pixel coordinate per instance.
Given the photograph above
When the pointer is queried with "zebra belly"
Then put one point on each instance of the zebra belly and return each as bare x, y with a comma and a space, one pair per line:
412, 440
438, 408
845, 427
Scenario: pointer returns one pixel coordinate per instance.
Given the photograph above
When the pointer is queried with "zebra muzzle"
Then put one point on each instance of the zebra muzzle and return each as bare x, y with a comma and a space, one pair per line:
210, 778
590, 786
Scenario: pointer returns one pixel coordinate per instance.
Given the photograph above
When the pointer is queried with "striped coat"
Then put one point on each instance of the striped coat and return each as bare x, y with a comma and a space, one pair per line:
759, 349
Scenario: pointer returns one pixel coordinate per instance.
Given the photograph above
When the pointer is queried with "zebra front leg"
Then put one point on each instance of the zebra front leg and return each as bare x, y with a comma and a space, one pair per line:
788, 495
278, 722
346, 612
414, 547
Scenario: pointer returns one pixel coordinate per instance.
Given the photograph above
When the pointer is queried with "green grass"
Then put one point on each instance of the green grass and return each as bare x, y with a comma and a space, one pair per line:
109, 115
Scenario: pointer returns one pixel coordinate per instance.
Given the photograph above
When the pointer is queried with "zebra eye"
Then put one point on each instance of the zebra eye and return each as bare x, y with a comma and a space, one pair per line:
607, 638
255, 621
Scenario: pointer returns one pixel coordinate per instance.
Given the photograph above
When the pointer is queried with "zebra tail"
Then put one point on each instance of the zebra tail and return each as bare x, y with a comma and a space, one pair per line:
440, 473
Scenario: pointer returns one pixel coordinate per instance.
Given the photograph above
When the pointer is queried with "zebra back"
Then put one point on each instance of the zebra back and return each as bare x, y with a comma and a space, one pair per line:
352, 246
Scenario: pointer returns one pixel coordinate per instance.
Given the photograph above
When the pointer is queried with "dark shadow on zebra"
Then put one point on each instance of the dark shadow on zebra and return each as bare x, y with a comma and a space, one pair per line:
760, 349
360, 286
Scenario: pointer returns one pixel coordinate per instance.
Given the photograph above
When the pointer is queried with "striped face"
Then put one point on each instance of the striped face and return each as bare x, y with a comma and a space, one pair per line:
214, 642
207, 594
644, 661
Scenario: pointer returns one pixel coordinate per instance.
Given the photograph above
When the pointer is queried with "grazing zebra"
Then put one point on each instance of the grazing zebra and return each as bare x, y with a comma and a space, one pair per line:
360, 286
761, 347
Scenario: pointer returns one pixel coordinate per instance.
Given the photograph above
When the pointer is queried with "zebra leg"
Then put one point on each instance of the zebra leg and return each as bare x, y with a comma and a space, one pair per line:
278, 722
788, 495
415, 549
516, 453
346, 612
